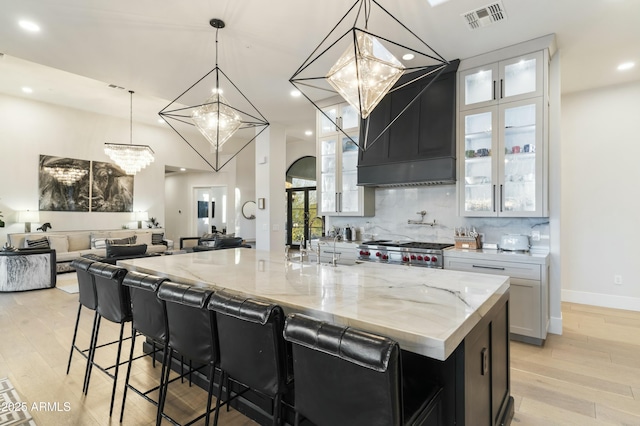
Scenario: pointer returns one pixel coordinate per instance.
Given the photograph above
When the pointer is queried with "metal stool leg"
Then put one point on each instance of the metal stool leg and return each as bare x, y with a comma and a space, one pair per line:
92, 352
75, 333
115, 376
126, 379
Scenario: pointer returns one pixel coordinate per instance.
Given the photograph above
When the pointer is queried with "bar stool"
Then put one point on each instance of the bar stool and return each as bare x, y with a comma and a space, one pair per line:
149, 318
350, 377
87, 298
192, 334
252, 349
114, 305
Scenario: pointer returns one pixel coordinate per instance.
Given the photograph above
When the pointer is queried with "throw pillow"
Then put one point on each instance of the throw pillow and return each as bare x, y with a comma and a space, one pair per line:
228, 242
157, 239
120, 250
143, 238
128, 240
98, 243
59, 243
38, 243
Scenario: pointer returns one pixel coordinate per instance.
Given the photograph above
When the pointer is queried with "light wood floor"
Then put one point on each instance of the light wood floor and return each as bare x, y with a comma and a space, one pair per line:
590, 375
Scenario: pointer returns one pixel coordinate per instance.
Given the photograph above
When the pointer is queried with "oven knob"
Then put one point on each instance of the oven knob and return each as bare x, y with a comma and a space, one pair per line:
405, 258
385, 257
361, 252
419, 257
434, 259
378, 254
413, 257
367, 253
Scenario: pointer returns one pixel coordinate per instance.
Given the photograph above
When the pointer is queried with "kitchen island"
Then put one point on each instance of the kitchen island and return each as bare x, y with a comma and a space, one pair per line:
453, 326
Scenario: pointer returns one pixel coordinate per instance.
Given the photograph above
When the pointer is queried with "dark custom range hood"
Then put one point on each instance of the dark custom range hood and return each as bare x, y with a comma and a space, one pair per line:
420, 146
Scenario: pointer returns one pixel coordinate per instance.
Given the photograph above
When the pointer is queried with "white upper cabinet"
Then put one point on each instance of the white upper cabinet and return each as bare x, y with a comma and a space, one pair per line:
337, 165
503, 138
505, 81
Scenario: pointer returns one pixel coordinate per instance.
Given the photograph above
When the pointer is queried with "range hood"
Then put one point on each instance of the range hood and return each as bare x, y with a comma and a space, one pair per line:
420, 146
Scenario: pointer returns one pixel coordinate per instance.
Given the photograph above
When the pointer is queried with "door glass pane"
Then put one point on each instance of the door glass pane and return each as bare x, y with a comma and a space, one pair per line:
520, 158
328, 174
477, 162
349, 117
520, 78
297, 215
478, 87
349, 175
327, 124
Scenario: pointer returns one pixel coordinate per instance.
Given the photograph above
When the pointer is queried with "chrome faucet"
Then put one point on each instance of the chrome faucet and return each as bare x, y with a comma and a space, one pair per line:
334, 256
303, 251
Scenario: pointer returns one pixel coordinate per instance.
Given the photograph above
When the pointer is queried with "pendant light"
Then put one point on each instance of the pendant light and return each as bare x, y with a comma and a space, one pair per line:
220, 113
130, 158
369, 68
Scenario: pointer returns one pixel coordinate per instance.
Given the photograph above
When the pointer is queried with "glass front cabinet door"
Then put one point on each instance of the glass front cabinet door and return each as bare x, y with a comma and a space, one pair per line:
503, 154
337, 165
505, 81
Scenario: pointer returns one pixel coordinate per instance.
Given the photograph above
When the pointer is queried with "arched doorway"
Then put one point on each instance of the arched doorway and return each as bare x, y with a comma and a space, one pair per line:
302, 202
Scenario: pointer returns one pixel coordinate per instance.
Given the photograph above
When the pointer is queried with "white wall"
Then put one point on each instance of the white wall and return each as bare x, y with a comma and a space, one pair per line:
29, 129
600, 201
180, 207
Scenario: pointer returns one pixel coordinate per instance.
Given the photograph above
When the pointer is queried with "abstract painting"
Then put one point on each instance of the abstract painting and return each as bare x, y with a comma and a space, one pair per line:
64, 184
111, 188
69, 184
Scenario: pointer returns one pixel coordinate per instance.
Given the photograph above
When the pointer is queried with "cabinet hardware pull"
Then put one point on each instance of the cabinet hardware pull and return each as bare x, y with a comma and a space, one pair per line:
336, 200
500, 197
494, 90
493, 201
488, 267
484, 354
501, 89
340, 201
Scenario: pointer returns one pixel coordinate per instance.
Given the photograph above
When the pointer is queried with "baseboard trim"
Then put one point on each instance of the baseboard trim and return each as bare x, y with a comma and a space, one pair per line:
602, 300
555, 325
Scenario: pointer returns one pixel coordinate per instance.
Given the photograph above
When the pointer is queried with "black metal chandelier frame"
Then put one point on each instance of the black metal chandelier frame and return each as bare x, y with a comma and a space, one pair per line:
249, 120
364, 10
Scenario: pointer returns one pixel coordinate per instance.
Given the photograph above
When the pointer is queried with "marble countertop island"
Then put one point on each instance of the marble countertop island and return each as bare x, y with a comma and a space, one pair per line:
428, 311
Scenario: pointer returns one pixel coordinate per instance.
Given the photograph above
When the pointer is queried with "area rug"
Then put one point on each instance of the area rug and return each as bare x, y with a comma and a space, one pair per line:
67, 283
13, 412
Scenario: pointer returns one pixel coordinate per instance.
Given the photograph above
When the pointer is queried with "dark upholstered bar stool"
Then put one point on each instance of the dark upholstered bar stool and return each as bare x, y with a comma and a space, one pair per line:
350, 377
87, 298
252, 349
113, 305
192, 335
149, 318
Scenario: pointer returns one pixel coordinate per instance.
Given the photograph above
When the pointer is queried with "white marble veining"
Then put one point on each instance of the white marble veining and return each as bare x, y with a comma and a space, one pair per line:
395, 206
428, 311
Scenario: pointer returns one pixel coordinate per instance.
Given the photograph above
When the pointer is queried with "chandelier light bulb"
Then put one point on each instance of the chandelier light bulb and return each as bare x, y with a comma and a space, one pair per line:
216, 120
365, 73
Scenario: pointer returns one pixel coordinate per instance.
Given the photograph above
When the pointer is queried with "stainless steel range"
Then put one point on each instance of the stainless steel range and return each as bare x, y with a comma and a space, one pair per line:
426, 255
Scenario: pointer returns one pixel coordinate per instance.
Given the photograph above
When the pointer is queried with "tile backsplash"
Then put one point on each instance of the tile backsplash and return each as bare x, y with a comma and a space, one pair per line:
396, 206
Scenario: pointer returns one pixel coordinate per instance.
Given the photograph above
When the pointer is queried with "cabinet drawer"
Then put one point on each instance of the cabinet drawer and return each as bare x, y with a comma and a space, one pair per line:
512, 269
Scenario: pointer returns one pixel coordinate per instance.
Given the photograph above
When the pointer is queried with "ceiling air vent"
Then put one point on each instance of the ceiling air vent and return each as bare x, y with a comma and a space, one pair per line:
484, 16
113, 86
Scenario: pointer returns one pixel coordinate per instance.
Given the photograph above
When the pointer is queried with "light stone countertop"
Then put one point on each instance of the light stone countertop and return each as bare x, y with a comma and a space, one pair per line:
540, 257
428, 311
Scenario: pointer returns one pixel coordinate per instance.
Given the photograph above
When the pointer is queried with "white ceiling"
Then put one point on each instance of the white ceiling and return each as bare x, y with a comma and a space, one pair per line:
158, 48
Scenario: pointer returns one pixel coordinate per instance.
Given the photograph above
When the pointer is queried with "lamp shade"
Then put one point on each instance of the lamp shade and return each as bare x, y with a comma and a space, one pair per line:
28, 216
142, 216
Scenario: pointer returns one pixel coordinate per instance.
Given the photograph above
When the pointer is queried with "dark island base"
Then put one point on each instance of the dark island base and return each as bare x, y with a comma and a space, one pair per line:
475, 378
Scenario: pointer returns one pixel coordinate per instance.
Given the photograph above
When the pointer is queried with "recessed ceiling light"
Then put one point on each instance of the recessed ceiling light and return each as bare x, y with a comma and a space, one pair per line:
626, 66
295, 93
182, 169
29, 26
408, 56
160, 120
434, 3
27, 90
308, 133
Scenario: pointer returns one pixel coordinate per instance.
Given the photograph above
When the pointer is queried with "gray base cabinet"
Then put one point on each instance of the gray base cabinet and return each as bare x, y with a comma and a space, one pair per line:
529, 309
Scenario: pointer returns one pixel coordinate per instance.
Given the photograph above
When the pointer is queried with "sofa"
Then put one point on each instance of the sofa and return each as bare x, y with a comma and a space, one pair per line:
219, 242
27, 269
70, 245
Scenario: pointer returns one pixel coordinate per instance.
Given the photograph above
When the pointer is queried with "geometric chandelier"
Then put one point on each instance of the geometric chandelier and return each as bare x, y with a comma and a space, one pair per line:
219, 111
362, 67
130, 158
